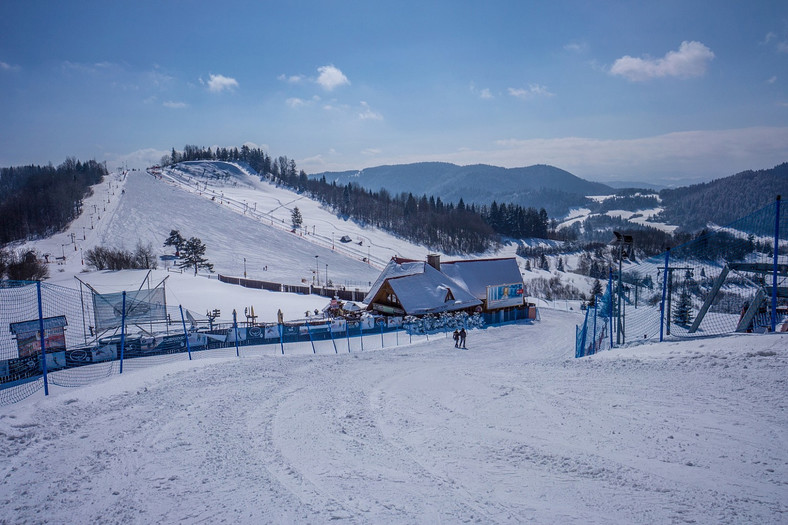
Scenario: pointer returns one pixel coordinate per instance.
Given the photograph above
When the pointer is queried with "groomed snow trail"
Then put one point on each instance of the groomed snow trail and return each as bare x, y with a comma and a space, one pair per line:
512, 430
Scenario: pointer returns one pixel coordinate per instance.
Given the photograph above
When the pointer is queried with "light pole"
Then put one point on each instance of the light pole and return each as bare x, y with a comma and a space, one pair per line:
244, 267
317, 269
326, 275
622, 241
332, 240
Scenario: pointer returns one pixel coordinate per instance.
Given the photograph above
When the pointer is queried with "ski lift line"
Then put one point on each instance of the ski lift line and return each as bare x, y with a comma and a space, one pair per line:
379, 262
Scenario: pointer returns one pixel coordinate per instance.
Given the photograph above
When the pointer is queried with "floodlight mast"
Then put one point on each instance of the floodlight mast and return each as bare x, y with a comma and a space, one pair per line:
622, 241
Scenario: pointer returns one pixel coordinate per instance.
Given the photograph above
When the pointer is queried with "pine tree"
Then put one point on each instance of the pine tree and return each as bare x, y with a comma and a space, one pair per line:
683, 313
175, 240
296, 219
560, 266
193, 251
596, 290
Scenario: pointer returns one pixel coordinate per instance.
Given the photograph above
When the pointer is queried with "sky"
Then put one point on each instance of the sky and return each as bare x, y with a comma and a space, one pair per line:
669, 92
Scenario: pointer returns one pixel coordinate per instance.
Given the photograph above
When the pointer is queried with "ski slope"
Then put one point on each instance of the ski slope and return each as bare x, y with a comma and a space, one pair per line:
245, 225
512, 430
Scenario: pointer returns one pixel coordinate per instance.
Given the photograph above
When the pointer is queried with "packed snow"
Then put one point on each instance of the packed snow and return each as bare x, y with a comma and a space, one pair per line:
512, 430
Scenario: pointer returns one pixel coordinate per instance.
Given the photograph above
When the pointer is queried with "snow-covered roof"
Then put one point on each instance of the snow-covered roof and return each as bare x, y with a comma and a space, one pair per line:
476, 275
394, 268
420, 288
430, 292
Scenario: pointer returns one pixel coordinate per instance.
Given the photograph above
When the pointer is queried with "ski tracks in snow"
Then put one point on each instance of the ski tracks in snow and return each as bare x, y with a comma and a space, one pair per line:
511, 431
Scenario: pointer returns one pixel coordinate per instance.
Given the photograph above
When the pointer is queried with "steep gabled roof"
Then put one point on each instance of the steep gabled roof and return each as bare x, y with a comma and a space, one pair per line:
430, 292
476, 275
395, 268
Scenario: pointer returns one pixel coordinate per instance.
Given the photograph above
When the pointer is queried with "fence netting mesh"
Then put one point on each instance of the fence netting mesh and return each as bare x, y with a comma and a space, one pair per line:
727, 279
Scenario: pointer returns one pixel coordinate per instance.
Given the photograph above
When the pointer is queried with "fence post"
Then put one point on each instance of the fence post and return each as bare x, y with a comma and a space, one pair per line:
41, 335
235, 327
774, 273
593, 345
281, 338
309, 332
185, 333
361, 332
347, 335
381, 336
664, 293
123, 331
610, 304
331, 333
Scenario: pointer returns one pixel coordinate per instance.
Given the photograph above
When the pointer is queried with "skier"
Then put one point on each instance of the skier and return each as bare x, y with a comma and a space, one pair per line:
462, 337
456, 337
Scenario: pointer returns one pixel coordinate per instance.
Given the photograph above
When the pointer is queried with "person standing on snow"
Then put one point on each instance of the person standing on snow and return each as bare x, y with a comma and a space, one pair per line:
456, 337
462, 338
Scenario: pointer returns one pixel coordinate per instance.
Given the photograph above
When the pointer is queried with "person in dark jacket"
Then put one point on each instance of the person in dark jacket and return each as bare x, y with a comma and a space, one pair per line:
456, 337
462, 338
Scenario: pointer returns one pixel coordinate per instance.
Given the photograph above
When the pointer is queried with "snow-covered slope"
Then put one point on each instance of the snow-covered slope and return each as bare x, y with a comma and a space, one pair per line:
513, 430
245, 224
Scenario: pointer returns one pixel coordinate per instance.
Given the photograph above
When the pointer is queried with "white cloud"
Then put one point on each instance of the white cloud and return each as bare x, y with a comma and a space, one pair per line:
372, 152
174, 105
690, 60
484, 94
331, 77
219, 83
689, 153
576, 47
772, 80
368, 114
295, 102
682, 157
5, 66
292, 79
532, 91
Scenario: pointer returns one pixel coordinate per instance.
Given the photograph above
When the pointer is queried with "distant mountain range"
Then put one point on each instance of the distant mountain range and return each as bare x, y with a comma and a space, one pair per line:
538, 186
725, 200
720, 201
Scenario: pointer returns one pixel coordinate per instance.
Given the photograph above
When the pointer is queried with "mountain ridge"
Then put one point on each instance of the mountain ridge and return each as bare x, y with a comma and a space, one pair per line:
477, 183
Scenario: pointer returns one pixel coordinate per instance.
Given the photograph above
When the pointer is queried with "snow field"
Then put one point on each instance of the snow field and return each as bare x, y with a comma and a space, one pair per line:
512, 430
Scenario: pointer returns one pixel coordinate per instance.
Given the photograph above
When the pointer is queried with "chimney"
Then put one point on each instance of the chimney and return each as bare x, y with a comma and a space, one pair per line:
434, 260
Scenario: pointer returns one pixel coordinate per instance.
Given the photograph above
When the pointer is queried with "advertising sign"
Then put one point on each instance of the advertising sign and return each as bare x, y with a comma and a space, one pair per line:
28, 339
503, 295
142, 306
271, 331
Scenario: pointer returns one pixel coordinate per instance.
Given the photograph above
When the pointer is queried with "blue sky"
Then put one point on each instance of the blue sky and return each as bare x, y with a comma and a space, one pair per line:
669, 91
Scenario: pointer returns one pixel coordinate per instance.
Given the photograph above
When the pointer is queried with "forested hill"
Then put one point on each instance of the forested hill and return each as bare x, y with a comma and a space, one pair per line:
722, 201
36, 201
539, 186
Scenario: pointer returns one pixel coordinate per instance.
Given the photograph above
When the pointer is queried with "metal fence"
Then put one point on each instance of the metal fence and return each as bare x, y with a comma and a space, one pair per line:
728, 279
49, 335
